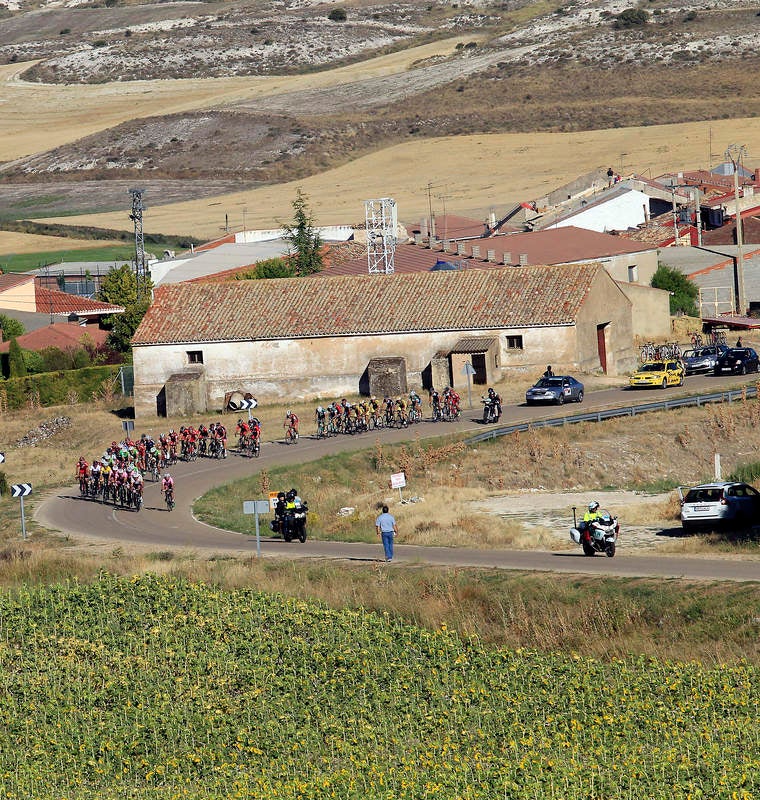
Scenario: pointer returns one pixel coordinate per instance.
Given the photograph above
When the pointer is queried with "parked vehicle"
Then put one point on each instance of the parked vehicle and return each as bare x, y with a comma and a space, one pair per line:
702, 359
658, 373
558, 389
600, 536
737, 361
723, 504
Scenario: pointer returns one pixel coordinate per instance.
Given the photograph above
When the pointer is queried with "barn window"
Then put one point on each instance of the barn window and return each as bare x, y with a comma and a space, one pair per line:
195, 356
514, 342
633, 274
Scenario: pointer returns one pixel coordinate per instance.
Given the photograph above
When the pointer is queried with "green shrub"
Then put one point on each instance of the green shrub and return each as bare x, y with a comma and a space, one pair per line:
632, 17
338, 15
55, 388
746, 473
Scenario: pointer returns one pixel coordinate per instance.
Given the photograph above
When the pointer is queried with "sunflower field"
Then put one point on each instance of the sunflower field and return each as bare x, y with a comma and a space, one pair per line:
154, 687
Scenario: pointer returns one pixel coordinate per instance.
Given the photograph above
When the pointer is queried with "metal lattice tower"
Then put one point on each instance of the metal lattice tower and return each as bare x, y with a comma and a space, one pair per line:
141, 270
381, 217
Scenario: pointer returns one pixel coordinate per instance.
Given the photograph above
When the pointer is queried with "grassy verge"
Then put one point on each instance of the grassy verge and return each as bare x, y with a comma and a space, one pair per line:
27, 261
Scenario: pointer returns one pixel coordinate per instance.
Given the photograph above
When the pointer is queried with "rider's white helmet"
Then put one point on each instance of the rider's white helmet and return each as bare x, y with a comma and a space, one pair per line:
167, 475
593, 505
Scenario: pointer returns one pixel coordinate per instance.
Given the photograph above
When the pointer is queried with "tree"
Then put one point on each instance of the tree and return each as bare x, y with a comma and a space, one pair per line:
16, 363
119, 287
305, 242
683, 292
268, 268
11, 327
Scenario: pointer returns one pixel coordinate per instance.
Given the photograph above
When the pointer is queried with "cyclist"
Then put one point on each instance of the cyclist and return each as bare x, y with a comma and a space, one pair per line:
291, 425
243, 430
320, 417
220, 434
401, 411
435, 404
83, 472
95, 475
167, 487
415, 404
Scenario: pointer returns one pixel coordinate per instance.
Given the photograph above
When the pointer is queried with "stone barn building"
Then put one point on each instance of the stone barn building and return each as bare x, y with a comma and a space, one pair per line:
299, 338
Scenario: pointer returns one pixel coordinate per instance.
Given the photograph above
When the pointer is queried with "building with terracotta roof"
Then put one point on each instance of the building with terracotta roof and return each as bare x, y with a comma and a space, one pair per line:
23, 292
626, 261
63, 335
305, 338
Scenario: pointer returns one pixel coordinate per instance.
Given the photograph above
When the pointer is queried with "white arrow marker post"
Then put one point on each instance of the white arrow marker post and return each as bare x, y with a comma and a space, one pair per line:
469, 371
256, 507
21, 490
249, 404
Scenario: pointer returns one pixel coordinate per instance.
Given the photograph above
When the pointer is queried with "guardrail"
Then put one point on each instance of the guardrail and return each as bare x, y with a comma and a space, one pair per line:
612, 413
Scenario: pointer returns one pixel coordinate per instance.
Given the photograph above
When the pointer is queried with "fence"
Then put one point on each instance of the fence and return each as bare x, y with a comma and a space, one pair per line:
612, 413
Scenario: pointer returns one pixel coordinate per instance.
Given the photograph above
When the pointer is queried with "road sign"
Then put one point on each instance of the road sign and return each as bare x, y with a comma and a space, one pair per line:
21, 489
128, 425
398, 480
252, 403
256, 507
2, 457
468, 369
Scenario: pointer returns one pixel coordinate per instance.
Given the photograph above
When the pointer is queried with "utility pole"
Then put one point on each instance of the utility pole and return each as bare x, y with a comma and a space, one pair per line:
677, 239
735, 153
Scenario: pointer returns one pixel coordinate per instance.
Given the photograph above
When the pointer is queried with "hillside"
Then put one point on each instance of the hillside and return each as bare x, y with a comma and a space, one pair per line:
276, 92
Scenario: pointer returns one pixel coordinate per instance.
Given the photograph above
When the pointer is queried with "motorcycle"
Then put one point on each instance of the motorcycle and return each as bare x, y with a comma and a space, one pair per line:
600, 536
491, 410
291, 525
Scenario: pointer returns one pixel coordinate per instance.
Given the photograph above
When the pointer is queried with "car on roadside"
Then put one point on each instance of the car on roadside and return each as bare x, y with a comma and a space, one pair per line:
737, 361
658, 373
702, 359
558, 389
723, 504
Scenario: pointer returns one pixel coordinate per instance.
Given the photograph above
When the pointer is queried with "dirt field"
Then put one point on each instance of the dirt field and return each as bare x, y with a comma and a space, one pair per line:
22, 243
477, 173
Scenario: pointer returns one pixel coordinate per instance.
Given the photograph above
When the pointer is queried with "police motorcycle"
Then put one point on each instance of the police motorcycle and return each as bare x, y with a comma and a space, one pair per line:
598, 536
290, 516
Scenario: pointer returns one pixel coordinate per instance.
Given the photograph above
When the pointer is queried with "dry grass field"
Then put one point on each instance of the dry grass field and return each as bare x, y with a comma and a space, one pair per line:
479, 172
22, 243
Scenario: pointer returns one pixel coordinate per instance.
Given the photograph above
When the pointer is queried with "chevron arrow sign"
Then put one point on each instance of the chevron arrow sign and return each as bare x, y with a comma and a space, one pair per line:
2, 457
252, 403
21, 489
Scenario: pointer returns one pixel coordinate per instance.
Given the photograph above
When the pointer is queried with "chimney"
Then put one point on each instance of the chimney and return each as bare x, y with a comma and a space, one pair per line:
476, 251
418, 238
461, 248
507, 258
424, 228
432, 228
446, 245
523, 259
491, 254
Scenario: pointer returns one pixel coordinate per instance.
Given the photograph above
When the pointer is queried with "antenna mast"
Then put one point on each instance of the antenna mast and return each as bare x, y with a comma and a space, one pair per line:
137, 217
381, 218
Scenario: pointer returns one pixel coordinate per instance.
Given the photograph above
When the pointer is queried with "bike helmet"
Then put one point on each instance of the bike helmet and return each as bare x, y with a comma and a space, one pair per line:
288, 413
167, 475
320, 409
294, 492
593, 505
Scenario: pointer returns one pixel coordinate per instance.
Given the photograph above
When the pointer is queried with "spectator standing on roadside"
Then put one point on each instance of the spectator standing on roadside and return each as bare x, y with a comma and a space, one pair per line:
386, 528
739, 342
610, 176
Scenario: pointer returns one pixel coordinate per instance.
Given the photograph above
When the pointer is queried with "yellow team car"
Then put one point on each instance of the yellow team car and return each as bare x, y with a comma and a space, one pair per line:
658, 373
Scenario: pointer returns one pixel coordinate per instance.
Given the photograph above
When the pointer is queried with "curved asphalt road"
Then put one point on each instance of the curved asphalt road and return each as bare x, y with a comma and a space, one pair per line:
154, 526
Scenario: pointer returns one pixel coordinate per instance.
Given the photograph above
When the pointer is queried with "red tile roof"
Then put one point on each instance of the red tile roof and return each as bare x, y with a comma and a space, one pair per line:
50, 301
64, 335
553, 246
10, 279
368, 304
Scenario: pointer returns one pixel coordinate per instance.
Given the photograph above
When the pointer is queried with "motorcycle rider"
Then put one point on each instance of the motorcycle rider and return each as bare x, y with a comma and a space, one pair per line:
495, 401
588, 519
